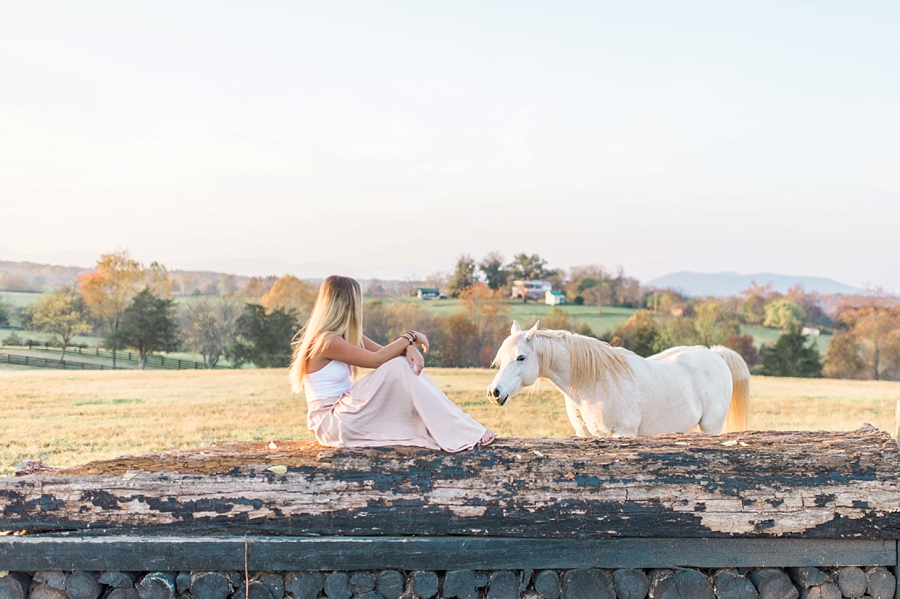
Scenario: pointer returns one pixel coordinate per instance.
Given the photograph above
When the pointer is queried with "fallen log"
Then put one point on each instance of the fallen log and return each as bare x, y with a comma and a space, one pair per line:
827, 485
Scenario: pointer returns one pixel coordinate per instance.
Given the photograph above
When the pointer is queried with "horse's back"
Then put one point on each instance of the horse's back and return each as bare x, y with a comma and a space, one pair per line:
693, 360
688, 382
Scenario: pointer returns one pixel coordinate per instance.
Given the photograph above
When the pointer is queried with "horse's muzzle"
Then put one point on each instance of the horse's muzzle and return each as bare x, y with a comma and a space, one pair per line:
494, 396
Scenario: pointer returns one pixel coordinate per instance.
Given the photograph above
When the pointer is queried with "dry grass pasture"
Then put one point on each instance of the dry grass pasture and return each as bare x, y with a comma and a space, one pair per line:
66, 418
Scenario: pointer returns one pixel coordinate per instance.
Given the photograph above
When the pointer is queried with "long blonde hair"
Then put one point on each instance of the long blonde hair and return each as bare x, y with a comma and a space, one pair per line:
337, 313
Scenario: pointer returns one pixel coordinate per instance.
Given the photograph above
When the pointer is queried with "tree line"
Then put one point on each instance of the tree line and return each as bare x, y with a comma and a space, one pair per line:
131, 306
590, 284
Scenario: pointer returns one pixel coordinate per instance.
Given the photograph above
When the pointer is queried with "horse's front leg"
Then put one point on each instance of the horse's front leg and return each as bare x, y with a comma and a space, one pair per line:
578, 424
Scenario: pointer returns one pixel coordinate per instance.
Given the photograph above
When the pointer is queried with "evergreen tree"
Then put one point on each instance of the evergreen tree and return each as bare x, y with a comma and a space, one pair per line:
791, 356
148, 325
5, 313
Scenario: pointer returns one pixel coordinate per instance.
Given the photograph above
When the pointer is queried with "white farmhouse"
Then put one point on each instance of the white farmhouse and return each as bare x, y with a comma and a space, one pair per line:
533, 290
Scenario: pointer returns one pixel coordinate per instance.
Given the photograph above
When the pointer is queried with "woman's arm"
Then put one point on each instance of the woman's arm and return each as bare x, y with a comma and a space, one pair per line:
413, 357
370, 345
338, 349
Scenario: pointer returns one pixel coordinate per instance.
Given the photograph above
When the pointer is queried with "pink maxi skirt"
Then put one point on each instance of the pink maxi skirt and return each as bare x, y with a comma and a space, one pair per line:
393, 406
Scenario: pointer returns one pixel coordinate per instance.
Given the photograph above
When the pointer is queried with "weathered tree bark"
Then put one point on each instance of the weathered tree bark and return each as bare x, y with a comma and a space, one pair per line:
755, 484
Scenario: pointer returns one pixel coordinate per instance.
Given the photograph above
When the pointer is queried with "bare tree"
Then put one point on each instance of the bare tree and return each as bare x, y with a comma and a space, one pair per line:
208, 326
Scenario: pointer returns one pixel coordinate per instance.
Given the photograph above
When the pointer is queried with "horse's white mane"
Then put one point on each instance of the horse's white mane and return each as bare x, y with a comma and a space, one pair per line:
590, 360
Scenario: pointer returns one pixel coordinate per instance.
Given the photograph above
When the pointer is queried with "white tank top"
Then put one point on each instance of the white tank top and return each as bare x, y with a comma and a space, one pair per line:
331, 381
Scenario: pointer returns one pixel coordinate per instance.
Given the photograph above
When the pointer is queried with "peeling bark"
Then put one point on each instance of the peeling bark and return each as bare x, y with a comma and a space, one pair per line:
755, 484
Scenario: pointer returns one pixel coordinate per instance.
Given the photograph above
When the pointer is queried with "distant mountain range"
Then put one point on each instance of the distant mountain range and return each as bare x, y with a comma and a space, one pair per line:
718, 284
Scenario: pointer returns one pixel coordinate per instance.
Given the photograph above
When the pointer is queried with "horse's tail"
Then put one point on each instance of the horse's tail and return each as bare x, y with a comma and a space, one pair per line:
739, 409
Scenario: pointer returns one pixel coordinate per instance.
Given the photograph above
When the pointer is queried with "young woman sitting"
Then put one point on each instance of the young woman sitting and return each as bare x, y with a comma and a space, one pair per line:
395, 404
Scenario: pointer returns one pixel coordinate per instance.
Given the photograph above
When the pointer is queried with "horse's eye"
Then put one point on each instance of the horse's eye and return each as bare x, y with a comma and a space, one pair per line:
521, 358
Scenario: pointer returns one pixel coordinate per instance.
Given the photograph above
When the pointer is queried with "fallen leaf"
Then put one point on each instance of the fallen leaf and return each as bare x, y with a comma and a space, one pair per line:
129, 475
569, 475
4, 573
272, 445
277, 469
742, 444
681, 443
537, 453
729, 443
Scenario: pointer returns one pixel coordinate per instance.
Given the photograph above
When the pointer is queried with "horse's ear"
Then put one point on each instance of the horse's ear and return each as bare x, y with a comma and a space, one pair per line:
530, 334
515, 328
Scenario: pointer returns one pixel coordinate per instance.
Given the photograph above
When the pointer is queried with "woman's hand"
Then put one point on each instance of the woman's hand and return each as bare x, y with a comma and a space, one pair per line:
415, 359
422, 340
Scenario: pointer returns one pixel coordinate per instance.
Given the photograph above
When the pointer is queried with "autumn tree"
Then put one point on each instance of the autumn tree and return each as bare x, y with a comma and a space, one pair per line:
811, 304
488, 311
460, 348
290, 295
148, 324
783, 314
595, 285
639, 334
743, 344
207, 326
868, 342
228, 284
374, 288
257, 287
753, 310
494, 271
384, 321
62, 314
463, 276
156, 278
107, 289
663, 301
714, 323
557, 320
598, 292
674, 332
843, 360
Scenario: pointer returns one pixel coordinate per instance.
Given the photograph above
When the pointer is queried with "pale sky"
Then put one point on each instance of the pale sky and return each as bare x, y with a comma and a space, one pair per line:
387, 138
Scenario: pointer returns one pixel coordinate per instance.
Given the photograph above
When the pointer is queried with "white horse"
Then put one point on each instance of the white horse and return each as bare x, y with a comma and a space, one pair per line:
611, 391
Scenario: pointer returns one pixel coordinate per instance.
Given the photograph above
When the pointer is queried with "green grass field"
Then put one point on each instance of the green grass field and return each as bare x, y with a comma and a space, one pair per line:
66, 418
19, 299
770, 336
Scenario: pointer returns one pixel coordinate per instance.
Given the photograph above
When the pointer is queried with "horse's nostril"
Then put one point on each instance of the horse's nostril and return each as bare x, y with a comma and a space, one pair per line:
496, 393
